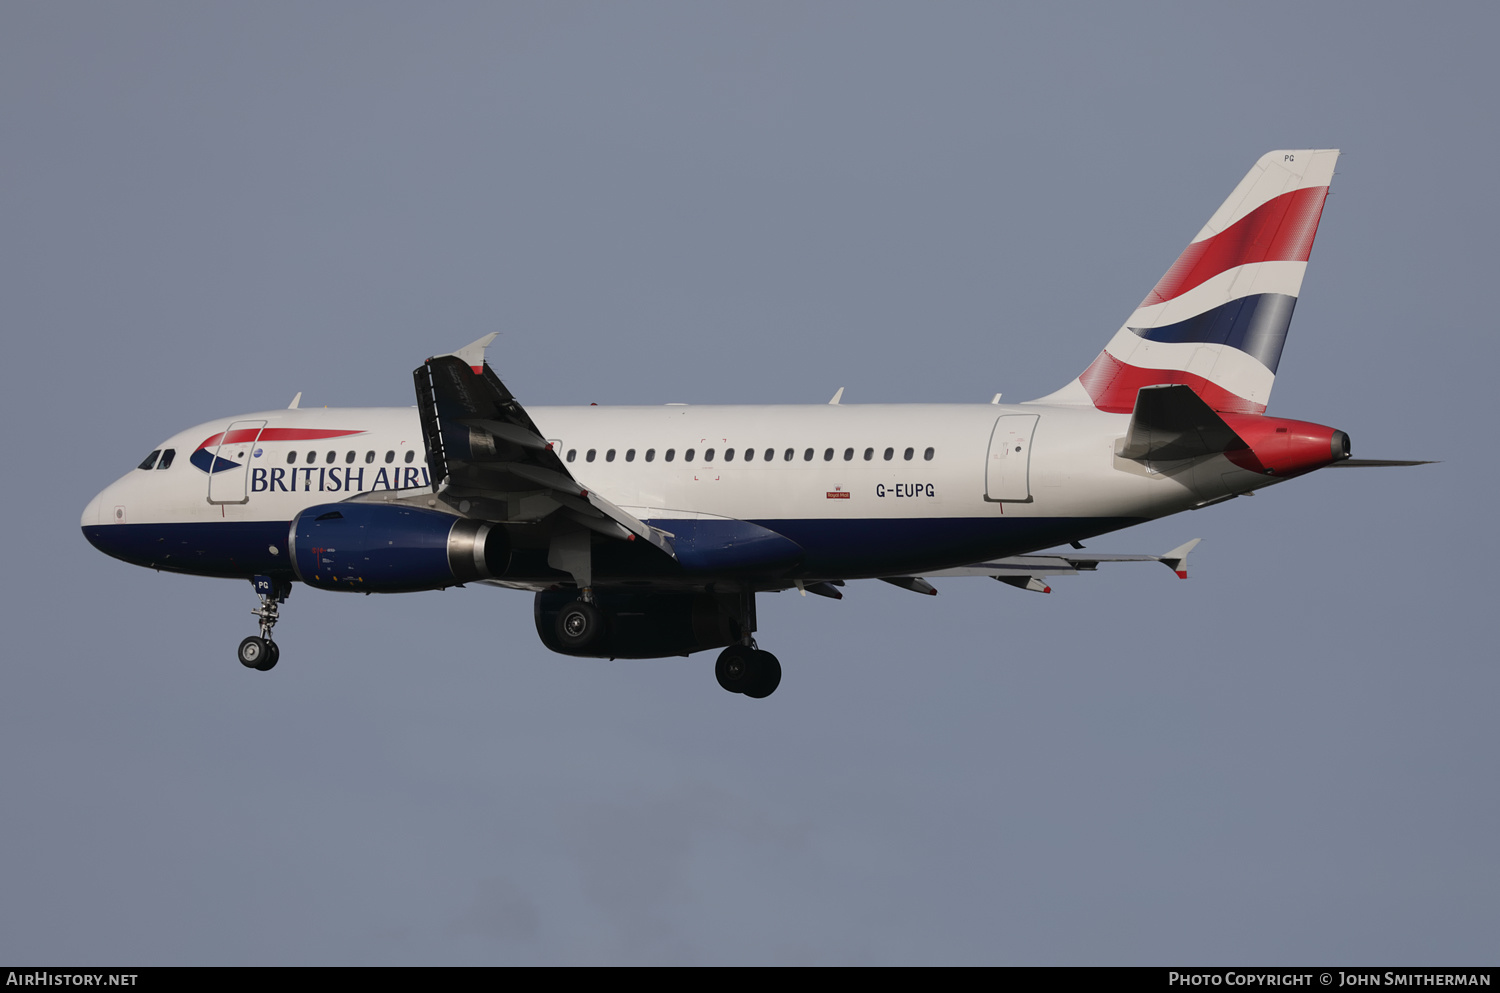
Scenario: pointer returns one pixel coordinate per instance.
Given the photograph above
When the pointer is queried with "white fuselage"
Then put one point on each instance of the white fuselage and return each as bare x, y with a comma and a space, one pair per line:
1040, 474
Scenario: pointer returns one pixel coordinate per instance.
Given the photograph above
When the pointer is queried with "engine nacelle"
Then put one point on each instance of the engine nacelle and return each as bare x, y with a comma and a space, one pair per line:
386, 548
643, 625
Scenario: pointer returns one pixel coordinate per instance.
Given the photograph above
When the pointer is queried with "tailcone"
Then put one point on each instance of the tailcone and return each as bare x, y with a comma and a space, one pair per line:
1276, 446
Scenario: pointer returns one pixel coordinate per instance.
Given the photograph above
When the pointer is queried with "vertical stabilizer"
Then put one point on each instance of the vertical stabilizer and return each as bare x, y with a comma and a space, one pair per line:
1217, 320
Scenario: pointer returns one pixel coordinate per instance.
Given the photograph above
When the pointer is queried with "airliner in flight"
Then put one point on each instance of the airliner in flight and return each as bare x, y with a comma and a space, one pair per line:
647, 532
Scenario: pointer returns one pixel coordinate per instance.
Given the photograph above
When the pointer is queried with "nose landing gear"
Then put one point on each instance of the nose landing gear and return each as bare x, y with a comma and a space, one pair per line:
261, 652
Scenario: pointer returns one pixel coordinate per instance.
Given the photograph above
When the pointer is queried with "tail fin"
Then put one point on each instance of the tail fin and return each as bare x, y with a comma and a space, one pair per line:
1217, 320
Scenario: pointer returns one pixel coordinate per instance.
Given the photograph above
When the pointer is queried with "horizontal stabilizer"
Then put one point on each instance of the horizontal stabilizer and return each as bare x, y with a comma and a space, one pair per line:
1379, 463
1172, 423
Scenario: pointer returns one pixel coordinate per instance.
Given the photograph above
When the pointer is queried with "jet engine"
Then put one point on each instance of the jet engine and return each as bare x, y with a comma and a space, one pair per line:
384, 548
641, 625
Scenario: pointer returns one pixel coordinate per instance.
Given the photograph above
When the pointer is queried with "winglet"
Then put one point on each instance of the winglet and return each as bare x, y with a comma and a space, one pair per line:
1176, 559
472, 354
295, 401
837, 397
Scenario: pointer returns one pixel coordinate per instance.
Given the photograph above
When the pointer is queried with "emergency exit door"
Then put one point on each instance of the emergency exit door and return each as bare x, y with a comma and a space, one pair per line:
1007, 470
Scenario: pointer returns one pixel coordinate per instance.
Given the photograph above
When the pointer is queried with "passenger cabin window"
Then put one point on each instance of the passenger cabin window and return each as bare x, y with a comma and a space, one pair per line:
927, 455
869, 454
411, 453
807, 455
609, 456
349, 458
687, 456
630, 455
889, 454
827, 455
390, 457
572, 454
671, 454
728, 455
708, 456
331, 457
291, 457
788, 456
149, 462
166, 458
749, 454
369, 457
650, 455
771, 454
848, 455
590, 456
908, 455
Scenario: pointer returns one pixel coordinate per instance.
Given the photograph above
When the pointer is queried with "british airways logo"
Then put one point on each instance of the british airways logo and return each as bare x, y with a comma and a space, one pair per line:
336, 478
222, 451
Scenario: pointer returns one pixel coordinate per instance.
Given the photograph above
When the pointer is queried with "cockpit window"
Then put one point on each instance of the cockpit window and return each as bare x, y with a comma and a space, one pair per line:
167, 456
149, 461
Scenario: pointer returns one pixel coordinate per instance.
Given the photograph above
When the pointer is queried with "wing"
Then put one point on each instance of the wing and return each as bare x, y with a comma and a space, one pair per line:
1031, 572
488, 459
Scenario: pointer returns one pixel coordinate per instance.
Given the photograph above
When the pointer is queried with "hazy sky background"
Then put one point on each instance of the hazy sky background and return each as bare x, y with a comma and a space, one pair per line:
1289, 758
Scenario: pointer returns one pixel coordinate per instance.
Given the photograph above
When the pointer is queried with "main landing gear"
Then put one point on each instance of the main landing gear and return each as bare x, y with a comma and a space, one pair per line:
746, 669
261, 652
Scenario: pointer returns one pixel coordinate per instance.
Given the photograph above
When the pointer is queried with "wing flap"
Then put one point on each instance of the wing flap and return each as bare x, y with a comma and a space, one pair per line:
1024, 567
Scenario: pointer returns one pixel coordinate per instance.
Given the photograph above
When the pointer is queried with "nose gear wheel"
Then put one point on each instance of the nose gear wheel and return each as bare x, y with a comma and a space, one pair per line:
262, 652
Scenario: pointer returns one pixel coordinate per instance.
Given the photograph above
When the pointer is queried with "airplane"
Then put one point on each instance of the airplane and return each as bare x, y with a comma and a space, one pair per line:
646, 532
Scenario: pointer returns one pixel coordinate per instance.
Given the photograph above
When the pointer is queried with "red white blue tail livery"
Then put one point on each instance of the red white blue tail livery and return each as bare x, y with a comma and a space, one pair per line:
1217, 320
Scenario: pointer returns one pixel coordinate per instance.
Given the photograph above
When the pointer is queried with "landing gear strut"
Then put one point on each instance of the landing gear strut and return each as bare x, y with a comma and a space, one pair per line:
261, 652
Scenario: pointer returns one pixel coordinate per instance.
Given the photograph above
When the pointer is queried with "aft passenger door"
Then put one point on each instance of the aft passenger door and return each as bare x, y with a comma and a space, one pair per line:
229, 470
1007, 469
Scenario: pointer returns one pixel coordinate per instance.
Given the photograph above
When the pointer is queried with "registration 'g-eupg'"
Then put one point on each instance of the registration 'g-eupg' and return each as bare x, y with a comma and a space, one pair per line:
647, 531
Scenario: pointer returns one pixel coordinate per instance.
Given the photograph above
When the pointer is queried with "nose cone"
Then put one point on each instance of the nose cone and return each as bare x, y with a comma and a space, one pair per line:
99, 518
91, 513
